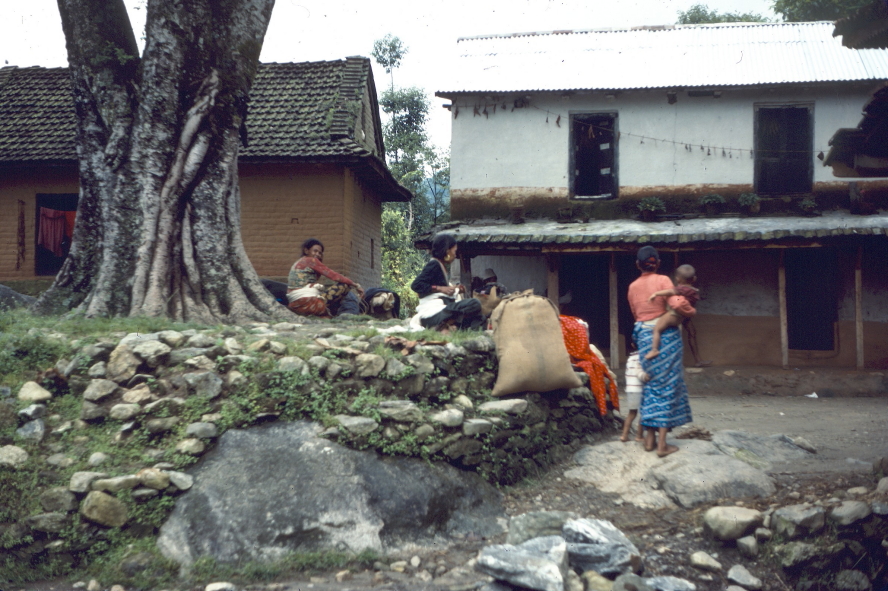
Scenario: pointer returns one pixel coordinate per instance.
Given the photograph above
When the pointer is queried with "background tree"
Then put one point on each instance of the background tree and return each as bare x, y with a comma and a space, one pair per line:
701, 14
158, 221
418, 166
816, 10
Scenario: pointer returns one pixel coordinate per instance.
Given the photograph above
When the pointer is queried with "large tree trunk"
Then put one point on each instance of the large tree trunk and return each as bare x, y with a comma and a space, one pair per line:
158, 222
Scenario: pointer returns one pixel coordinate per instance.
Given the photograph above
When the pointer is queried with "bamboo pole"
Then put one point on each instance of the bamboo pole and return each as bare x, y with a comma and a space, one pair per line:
784, 333
614, 317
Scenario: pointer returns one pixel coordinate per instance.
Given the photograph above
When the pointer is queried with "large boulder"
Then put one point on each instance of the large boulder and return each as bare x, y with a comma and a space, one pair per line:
11, 299
759, 451
695, 479
596, 544
540, 563
265, 492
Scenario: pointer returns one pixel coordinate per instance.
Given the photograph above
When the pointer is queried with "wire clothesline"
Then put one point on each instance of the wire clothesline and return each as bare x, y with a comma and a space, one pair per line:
727, 151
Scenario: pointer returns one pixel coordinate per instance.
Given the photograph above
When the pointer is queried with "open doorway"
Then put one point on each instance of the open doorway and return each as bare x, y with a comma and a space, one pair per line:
812, 291
54, 227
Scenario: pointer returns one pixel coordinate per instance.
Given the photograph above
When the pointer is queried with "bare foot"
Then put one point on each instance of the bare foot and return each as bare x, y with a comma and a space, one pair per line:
639, 439
670, 449
652, 354
624, 438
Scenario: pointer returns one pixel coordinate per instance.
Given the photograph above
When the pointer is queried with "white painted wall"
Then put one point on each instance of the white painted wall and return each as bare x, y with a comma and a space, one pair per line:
517, 273
518, 148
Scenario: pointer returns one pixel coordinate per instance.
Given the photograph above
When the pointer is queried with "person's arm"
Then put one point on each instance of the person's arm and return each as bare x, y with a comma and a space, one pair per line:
316, 265
662, 293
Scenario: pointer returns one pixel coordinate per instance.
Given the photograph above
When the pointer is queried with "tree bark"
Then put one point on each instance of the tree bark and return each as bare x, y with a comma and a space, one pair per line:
158, 221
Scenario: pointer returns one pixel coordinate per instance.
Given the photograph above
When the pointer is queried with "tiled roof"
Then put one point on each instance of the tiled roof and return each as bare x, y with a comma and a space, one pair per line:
309, 111
622, 234
671, 56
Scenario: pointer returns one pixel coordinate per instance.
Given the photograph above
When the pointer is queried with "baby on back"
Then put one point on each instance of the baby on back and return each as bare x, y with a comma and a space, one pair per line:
685, 275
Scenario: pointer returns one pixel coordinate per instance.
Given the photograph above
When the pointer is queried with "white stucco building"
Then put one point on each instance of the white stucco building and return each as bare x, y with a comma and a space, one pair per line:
564, 132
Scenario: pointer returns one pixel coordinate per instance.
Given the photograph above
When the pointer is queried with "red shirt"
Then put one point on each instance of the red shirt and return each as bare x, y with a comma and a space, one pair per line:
640, 291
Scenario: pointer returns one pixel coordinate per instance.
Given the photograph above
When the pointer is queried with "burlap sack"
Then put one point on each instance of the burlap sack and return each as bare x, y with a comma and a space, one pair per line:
530, 346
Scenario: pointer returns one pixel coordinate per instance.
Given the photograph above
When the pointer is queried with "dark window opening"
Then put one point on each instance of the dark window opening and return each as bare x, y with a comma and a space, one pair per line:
783, 150
594, 161
54, 227
812, 289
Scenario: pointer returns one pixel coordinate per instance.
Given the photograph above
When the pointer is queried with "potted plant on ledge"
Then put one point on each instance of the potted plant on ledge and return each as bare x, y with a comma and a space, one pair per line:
712, 203
649, 207
750, 202
808, 206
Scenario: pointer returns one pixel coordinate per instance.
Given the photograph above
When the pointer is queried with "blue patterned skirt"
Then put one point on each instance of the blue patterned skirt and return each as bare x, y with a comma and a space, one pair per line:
664, 399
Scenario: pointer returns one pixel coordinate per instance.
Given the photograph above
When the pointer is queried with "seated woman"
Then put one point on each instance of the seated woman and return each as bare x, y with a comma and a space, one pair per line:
438, 307
305, 292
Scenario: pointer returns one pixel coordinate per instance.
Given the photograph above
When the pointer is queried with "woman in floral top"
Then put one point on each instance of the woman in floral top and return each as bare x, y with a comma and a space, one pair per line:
307, 292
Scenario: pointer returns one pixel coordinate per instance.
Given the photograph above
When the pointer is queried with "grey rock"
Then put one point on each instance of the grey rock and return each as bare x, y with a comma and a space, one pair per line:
804, 444
763, 534
748, 546
134, 338
537, 524
200, 341
462, 401
81, 481
206, 384
124, 412
103, 509
34, 392
421, 363
48, 522
155, 426
668, 583
98, 370
179, 356
138, 395
58, 500
201, 362
539, 564
796, 521
704, 561
740, 575
759, 451
369, 365
402, 411
202, 430
144, 493
32, 412
90, 411
5, 392
173, 338
32, 431
122, 364
284, 472
411, 385
116, 484
512, 406
170, 404
320, 364
462, 448
97, 459
596, 544
357, 425
191, 446
449, 418
11, 299
695, 479
476, 426
154, 478
850, 512
181, 480
60, 460
153, 353
295, 364
852, 580
394, 368
630, 582
730, 523
482, 344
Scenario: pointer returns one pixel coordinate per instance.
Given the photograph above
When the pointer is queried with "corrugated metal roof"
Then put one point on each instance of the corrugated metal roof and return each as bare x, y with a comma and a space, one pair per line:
676, 56
620, 234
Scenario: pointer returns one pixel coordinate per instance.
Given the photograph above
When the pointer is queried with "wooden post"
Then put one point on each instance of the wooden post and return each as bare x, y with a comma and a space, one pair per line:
784, 333
465, 273
858, 306
552, 286
614, 318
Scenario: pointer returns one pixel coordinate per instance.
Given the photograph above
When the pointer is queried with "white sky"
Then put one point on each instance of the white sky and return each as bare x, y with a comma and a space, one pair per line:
310, 30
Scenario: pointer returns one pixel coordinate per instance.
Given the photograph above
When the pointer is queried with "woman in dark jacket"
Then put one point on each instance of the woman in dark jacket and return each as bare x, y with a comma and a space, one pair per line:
438, 307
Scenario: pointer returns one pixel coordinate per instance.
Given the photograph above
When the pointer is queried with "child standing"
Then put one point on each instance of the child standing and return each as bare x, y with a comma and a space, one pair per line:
685, 275
635, 378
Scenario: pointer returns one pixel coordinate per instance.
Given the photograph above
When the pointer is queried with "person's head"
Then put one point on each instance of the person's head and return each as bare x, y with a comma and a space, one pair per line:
313, 248
489, 276
444, 247
648, 259
685, 275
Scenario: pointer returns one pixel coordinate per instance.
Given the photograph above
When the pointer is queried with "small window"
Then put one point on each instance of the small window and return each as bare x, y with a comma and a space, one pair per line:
593, 159
783, 149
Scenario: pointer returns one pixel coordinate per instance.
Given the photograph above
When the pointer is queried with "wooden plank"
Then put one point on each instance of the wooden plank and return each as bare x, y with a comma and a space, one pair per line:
552, 261
858, 307
784, 333
614, 317
465, 272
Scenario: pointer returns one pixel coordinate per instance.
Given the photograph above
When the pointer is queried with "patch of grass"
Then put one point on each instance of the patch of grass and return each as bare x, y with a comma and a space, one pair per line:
206, 569
31, 287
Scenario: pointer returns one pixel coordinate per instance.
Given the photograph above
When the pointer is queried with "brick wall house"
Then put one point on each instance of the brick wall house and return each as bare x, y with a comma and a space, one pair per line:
313, 166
